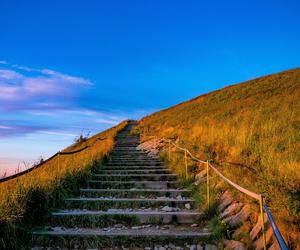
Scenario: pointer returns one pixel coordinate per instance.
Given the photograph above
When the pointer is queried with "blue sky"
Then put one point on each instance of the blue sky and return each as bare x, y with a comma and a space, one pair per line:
68, 67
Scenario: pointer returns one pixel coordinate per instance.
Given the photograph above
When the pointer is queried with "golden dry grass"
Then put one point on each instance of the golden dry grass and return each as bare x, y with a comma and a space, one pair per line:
256, 126
48, 184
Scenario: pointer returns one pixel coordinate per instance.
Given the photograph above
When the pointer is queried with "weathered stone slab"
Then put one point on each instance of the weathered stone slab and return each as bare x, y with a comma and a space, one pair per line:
234, 245
210, 247
257, 228
274, 246
231, 210
201, 174
259, 244
225, 200
238, 219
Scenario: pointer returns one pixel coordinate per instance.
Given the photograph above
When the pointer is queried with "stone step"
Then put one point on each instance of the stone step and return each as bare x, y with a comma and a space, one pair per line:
133, 158
129, 154
135, 162
132, 177
92, 219
127, 145
127, 142
108, 203
133, 184
132, 142
105, 167
141, 163
133, 155
130, 193
126, 136
123, 149
132, 202
133, 171
132, 238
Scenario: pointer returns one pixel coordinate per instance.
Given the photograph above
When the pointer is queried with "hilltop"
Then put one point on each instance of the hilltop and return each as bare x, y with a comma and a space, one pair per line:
251, 131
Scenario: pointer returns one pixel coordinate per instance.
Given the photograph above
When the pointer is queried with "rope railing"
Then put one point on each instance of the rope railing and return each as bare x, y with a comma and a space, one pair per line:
50, 158
241, 189
4, 179
259, 197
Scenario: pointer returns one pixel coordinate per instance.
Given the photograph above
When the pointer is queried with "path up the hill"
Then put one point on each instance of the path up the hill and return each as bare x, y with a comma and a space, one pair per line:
132, 202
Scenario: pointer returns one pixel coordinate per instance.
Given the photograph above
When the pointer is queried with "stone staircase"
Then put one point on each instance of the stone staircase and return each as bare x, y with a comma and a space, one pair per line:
133, 202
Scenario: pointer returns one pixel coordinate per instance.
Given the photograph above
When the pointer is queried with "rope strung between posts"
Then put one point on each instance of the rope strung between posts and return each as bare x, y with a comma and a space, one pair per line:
259, 197
50, 158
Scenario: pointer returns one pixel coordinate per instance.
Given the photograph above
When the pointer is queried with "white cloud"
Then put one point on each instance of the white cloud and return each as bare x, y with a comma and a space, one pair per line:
40, 85
65, 77
6, 74
25, 68
53, 74
5, 127
16, 85
57, 133
107, 121
10, 93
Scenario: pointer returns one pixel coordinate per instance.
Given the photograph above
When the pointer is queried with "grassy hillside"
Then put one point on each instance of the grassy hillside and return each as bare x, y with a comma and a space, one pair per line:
251, 131
25, 201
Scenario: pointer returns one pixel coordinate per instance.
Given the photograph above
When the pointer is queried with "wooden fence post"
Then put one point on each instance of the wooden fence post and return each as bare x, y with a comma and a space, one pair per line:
169, 150
58, 160
207, 183
261, 201
186, 165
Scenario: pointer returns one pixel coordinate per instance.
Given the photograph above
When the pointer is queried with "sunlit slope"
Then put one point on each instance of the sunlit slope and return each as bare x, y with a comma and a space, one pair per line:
25, 201
51, 172
255, 125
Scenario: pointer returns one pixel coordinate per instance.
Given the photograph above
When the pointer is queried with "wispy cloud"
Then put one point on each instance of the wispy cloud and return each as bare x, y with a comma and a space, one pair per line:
66, 78
22, 87
60, 133
32, 96
15, 130
43, 110
6, 74
107, 121
52, 73
5, 127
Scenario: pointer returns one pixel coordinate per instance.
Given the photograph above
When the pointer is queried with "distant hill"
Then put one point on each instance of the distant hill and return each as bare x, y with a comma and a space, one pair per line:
252, 131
